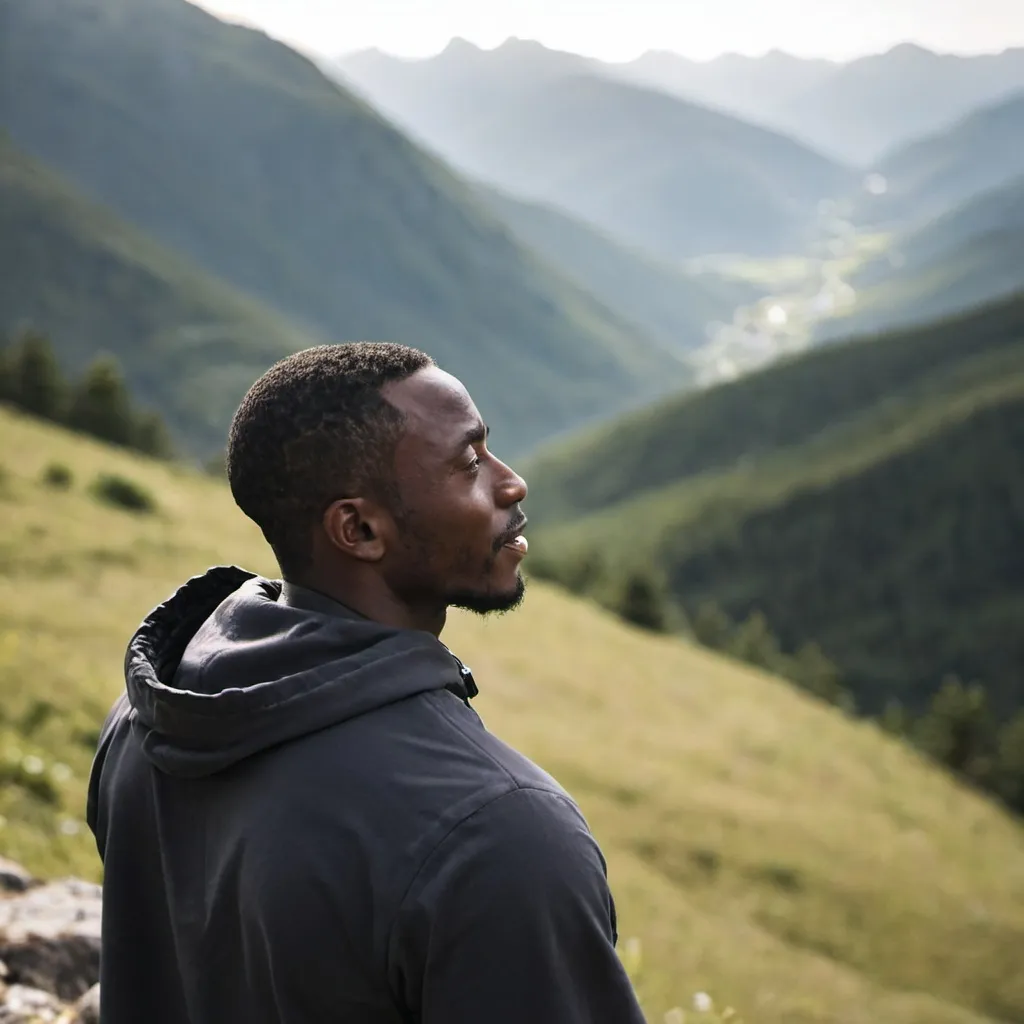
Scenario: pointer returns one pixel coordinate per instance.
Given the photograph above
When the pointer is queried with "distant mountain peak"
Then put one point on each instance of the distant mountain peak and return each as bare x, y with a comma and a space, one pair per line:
911, 51
458, 45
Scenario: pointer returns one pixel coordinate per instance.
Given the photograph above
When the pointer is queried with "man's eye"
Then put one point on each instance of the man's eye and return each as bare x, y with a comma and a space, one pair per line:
474, 465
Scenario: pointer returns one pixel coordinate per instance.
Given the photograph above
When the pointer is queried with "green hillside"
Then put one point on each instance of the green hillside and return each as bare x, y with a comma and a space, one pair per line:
190, 345
238, 153
928, 177
662, 174
865, 496
799, 866
666, 303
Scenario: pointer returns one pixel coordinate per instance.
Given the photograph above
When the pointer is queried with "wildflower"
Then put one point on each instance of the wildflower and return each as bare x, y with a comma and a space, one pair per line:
33, 765
702, 1002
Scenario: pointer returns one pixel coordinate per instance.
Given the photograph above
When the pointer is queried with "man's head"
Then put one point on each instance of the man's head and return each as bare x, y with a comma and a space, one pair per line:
366, 468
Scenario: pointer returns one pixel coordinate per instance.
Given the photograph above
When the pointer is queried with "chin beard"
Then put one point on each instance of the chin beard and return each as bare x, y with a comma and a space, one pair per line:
484, 603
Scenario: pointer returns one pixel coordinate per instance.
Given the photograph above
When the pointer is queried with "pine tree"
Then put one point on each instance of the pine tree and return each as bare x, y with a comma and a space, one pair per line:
814, 672
150, 435
1009, 763
101, 406
711, 626
35, 381
644, 601
896, 719
754, 643
7, 374
957, 730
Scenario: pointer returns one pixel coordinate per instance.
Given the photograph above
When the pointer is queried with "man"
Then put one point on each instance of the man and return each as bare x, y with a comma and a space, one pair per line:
302, 821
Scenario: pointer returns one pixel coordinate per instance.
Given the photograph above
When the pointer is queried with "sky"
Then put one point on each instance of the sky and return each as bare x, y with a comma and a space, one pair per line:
619, 30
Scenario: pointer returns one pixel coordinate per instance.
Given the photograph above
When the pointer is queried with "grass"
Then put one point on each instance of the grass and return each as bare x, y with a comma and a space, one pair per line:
791, 863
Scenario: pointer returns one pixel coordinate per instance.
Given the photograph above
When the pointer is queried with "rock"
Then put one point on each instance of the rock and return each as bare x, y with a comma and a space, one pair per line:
24, 1005
88, 1007
13, 877
50, 938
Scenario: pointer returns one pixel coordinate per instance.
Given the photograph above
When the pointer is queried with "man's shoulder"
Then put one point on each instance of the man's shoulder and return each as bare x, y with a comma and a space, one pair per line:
494, 758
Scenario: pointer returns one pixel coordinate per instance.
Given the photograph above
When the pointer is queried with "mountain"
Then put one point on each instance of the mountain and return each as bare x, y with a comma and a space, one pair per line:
933, 175
190, 345
864, 496
743, 822
756, 89
878, 103
428, 98
855, 111
967, 257
666, 303
240, 155
667, 176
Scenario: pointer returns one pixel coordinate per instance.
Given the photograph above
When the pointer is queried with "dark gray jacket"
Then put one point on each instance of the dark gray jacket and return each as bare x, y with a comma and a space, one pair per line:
302, 821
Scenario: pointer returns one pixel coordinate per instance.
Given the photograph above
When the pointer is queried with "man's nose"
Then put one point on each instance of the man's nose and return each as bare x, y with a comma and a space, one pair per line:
512, 489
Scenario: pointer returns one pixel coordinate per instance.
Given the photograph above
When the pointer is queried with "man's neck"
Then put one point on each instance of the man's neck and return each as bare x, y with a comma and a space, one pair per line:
375, 602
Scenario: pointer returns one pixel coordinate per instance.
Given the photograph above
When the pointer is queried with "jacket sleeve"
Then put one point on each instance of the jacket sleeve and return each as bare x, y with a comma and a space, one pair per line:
511, 921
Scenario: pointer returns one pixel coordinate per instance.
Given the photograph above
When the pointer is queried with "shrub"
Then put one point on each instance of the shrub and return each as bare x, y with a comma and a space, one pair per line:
58, 475
644, 601
123, 493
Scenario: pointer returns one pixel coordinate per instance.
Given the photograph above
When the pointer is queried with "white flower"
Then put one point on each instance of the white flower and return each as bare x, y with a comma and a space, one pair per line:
702, 1002
70, 827
61, 772
33, 765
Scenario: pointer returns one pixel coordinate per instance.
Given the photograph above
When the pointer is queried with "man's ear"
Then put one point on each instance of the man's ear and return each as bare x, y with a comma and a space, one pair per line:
356, 526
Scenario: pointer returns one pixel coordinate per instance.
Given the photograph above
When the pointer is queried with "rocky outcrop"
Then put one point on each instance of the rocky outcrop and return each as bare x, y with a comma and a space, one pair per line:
49, 949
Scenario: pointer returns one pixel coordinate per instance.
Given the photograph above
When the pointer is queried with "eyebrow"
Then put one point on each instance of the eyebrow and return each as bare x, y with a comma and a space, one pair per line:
475, 435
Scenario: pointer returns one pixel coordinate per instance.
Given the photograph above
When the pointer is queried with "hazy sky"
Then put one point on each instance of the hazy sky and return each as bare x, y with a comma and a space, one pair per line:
622, 29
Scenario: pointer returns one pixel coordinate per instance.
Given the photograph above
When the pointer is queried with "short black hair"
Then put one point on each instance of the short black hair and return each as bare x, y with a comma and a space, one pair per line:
312, 429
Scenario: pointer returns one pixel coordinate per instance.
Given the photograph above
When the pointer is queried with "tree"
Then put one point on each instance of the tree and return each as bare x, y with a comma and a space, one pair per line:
6, 374
644, 601
1008, 770
814, 672
101, 405
35, 381
896, 719
150, 435
957, 730
711, 626
755, 643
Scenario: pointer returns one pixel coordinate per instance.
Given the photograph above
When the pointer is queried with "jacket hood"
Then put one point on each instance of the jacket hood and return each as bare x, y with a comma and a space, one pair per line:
232, 664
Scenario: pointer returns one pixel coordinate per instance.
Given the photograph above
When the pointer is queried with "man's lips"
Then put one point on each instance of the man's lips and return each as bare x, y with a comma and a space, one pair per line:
513, 538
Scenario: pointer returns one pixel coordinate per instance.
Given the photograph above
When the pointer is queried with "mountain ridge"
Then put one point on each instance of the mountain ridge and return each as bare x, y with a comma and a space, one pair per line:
239, 154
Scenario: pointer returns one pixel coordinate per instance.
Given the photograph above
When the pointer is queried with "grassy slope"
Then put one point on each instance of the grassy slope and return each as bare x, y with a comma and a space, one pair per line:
189, 344
240, 154
763, 848
665, 302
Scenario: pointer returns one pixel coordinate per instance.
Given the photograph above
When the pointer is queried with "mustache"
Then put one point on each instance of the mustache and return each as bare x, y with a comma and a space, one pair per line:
511, 532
